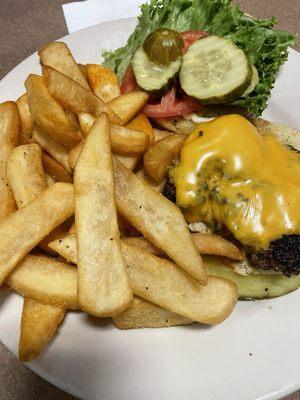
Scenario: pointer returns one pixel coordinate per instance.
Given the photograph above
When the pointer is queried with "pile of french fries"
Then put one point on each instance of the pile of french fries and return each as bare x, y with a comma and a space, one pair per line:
83, 224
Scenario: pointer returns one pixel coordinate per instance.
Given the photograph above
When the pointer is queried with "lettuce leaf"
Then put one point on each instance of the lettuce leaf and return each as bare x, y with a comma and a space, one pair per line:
266, 47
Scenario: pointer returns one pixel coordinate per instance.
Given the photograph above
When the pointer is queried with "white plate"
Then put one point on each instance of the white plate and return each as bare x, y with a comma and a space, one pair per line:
255, 354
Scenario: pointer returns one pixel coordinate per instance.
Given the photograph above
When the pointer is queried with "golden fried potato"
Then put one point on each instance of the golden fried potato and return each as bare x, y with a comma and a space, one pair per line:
55, 170
45, 280
128, 105
39, 323
213, 244
103, 283
142, 123
48, 114
26, 119
75, 97
9, 136
25, 173
58, 56
159, 220
143, 244
160, 134
74, 155
161, 155
58, 152
143, 314
164, 283
177, 124
25, 228
103, 82
145, 177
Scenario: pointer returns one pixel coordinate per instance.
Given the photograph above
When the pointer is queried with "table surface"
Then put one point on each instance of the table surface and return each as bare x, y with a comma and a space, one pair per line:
25, 25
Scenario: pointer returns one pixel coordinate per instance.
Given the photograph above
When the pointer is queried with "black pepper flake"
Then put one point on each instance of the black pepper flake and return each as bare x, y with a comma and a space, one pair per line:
67, 246
146, 287
250, 354
59, 241
111, 239
266, 289
200, 133
167, 320
140, 207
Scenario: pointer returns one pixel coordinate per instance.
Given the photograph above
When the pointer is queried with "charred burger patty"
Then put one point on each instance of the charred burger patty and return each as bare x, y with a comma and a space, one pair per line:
283, 254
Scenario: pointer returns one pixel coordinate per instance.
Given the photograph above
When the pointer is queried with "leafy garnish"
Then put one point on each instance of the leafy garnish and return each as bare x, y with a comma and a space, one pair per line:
266, 47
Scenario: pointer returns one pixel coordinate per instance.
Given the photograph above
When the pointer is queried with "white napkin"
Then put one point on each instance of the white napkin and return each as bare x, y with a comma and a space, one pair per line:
82, 14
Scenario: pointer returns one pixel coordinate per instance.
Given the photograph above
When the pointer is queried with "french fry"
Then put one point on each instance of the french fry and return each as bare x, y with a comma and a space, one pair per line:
59, 232
72, 229
143, 176
45, 280
50, 180
83, 70
74, 155
39, 323
58, 56
58, 152
48, 114
143, 314
159, 220
26, 119
176, 125
25, 173
103, 82
143, 244
103, 283
160, 134
161, 154
25, 228
164, 283
55, 170
124, 140
216, 245
73, 118
128, 105
9, 136
142, 123
75, 97
129, 161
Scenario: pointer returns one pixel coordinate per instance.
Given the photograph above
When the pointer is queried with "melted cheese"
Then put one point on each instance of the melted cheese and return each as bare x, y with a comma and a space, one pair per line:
230, 175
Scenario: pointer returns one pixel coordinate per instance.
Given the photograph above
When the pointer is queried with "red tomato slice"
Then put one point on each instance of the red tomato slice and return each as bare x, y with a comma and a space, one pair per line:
189, 37
129, 83
171, 107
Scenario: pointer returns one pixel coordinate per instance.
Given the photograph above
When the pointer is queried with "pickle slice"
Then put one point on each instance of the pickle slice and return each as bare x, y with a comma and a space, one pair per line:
163, 46
215, 71
152, 77
253, 286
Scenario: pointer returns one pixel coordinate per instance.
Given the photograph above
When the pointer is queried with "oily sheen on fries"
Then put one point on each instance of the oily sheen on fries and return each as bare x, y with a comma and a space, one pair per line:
164, 283
26, 119
48, 114
103, 283
45, 280
58, 152
39, 323
25, 173
159, 220
25, 228
58, 56
161, 154
75, 97
143, 314
9, 136
55, 169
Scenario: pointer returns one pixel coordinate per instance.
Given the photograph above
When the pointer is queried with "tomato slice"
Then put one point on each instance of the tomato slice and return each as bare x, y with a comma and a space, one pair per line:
129, 83
169, 106
189, 37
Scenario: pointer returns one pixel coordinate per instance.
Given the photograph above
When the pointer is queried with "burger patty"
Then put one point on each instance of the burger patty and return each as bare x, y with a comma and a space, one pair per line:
283, 254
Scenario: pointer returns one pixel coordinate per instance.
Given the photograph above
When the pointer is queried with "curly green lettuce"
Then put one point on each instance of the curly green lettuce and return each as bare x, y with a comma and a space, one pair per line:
266, 47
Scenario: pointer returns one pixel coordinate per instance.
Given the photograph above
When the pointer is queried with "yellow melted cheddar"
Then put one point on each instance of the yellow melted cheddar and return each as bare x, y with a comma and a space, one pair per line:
230, 175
